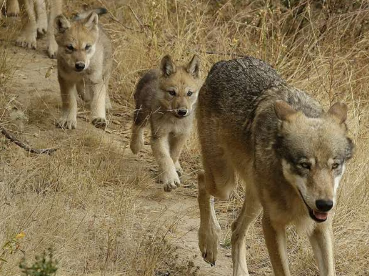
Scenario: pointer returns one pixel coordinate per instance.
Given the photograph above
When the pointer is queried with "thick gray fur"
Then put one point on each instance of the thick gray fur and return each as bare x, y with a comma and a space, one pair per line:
238, 86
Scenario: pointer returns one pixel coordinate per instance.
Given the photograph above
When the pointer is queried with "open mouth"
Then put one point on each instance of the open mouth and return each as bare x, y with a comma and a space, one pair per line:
315, 215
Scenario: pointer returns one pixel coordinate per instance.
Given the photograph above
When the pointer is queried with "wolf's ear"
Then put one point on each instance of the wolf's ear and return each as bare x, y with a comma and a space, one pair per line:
167, 66
339, 112
91, 21
193, 66
283, 110
61, 24
350, 149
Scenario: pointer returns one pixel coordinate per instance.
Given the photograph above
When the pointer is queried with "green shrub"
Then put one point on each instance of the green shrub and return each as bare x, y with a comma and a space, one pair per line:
44, 265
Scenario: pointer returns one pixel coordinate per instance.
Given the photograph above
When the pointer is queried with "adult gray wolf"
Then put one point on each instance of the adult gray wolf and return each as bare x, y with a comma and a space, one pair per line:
288, 151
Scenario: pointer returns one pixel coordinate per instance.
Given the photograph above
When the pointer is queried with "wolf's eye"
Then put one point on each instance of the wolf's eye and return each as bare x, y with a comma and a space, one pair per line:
305, 165
335, 166
88, 47
70, 47
172, 92
189, 93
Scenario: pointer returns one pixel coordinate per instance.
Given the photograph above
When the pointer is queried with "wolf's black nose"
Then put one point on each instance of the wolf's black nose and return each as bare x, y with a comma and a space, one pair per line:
324, 205
182, 112
80, 66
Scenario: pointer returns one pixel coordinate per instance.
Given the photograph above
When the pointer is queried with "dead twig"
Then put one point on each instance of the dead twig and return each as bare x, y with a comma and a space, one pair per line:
222, 54
112, 16
23, 145
117, 21
143, 26
237, 55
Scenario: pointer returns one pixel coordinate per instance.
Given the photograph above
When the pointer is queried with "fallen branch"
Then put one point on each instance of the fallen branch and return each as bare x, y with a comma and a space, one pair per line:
143, 26
237, 55
117, 20
222, 54
23, 145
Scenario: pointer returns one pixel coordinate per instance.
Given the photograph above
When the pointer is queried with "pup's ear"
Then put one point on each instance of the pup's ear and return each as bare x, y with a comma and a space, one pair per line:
91, 21
167, 66
61, 24
284, 111
193, 66
339, 112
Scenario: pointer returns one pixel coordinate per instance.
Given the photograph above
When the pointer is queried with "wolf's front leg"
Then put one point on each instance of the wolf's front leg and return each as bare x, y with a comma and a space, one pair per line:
250, 210
321, 241
55, 10
12, 7
168, 173
41, 15
275, 238
68, 119
98, 112
176, 143
27, 37
209, 230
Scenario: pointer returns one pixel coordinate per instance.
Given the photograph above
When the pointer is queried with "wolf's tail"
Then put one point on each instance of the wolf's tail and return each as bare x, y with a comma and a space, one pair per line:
83, 15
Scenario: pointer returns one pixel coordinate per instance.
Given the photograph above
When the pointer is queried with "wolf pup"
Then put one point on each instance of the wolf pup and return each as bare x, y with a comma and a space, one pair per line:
84, 62
288, 151
166, 98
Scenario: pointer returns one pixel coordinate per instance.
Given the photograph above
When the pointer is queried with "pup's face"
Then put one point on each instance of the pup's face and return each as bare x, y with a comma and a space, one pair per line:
179, 86
313, 153
77, 41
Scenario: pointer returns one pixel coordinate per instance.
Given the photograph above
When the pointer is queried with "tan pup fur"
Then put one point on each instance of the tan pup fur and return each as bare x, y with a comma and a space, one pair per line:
84, 66
290, 154
166, 98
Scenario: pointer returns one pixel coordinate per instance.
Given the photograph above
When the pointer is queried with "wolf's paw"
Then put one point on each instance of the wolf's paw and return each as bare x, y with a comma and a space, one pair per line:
27, 39
53, 48
170, 181
208, 244
42, 25
99, 122
66, 123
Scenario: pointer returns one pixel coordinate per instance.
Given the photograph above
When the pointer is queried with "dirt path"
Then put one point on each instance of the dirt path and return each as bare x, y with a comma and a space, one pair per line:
35, 87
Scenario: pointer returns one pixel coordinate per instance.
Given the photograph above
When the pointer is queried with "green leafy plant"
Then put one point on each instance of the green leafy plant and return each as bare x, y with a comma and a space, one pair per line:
44, 265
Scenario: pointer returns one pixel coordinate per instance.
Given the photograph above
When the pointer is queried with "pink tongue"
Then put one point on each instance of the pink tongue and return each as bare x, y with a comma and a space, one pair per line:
321, 216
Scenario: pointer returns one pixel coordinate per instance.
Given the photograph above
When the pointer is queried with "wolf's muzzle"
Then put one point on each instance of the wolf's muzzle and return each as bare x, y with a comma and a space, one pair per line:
80, 66
182, 112
315, 215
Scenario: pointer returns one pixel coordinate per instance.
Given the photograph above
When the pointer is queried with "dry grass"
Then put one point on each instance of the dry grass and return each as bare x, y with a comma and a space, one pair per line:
83, 200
